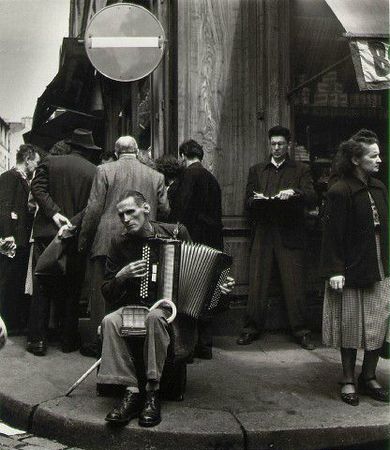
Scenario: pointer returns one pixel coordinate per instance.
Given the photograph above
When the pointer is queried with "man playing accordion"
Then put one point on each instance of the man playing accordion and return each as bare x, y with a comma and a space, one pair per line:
124, 270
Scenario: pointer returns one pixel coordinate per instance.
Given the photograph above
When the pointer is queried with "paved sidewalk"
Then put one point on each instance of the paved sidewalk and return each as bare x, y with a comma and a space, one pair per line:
270, 394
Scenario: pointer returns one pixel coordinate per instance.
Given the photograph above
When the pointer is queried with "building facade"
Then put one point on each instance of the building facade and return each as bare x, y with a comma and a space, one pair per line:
4, 145
16, 136
233, 69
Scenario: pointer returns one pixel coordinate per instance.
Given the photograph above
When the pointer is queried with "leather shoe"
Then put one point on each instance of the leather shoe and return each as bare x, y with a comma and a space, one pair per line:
203, 352
126, 410
306, 342
70, 346
351, 398
151, 413
377, 393
247, 338
92, 349
37, 348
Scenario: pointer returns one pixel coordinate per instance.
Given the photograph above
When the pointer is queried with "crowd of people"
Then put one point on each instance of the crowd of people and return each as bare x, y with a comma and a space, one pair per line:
74, 223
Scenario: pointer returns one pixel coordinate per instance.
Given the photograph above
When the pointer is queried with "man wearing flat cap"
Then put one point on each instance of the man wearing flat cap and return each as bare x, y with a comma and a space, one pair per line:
61, 188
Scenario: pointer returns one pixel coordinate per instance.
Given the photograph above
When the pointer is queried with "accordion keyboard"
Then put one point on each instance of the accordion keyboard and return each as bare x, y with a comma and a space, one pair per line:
144, 285
187, 273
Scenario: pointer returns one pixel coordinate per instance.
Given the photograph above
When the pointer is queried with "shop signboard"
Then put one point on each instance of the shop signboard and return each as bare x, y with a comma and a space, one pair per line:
124, 42
372, 63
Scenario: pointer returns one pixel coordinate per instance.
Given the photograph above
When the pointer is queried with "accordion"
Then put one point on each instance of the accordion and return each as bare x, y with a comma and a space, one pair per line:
186, 273
134, 317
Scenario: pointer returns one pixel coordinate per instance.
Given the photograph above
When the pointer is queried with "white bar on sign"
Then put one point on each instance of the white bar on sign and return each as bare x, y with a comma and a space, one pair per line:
124, 42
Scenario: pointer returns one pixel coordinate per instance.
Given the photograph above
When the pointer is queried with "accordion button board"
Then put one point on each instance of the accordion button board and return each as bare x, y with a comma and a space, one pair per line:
144, 285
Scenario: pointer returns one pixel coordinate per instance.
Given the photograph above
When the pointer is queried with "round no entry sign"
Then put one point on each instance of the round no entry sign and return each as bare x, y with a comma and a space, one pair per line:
124, 42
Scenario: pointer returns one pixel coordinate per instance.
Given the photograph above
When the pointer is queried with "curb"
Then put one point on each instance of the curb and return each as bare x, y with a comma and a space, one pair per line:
181, 428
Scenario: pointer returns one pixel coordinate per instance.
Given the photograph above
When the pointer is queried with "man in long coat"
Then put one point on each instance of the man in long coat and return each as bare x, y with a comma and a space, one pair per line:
16, 221
197, 205
276, 195
61, 188
101, 221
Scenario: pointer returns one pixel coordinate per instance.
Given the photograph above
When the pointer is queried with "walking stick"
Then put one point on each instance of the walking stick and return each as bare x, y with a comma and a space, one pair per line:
83, 377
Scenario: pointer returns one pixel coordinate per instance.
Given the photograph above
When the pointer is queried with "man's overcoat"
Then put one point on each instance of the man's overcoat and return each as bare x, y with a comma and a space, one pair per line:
113, 180
15, 218
197, 204
62, 184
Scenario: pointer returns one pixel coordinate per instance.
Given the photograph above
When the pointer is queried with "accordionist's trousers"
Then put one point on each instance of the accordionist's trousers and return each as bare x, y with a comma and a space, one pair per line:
117, 365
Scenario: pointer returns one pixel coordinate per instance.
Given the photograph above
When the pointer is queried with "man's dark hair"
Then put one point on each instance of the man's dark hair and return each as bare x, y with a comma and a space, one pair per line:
138, 197
191, 149
365, 136
60, 148
279, 131
107, 154
26, 151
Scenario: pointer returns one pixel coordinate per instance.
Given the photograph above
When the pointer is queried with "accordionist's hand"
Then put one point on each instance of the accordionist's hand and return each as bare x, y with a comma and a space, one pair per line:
8, 246
228, 286
135, 269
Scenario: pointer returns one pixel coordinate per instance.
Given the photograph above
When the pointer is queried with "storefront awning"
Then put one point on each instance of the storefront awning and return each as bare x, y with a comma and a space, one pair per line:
362, 18
366, 23
61, 127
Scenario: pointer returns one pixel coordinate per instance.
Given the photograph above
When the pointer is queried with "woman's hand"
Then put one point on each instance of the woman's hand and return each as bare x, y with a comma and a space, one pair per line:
337, 282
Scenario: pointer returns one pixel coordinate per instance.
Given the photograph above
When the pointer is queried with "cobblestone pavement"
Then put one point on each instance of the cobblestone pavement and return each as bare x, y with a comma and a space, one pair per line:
30, 442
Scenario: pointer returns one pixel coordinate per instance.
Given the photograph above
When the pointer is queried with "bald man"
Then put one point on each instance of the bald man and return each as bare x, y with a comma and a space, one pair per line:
101, 220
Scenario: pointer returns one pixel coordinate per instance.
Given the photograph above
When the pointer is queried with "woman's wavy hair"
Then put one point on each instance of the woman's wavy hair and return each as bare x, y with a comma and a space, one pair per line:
169, 166
355, 147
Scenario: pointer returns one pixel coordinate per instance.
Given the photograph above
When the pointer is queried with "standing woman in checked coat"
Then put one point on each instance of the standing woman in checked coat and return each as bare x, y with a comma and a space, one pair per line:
355, 263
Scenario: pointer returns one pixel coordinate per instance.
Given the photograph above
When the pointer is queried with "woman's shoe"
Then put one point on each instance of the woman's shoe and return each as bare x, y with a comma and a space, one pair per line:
377, 393
351, 398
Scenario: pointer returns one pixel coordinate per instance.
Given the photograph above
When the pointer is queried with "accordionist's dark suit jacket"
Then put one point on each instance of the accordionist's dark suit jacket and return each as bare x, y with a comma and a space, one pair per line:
126, 248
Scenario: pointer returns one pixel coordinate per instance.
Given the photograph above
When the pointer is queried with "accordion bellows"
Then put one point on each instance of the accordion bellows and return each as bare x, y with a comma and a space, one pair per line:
189, 274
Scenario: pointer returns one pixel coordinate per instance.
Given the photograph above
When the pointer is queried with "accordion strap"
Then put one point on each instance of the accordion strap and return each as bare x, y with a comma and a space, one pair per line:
170, 304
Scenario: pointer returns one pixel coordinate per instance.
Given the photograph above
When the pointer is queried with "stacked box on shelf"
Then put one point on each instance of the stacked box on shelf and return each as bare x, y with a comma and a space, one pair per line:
333, 99
343, 100
301, 153
330, 77
305, 96
330, 91
302, 97
354, 100
365, 100
321, 99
